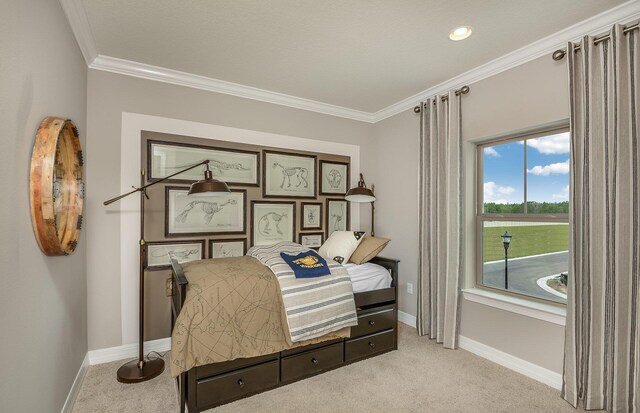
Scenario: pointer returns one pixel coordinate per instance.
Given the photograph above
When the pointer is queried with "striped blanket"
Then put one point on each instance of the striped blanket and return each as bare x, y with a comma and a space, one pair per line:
313, 306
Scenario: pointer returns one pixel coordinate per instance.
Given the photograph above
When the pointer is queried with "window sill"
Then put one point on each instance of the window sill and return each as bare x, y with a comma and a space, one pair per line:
541, 311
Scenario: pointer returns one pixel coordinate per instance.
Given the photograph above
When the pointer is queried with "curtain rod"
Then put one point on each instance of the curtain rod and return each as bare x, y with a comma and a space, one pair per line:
560, 53
462, 91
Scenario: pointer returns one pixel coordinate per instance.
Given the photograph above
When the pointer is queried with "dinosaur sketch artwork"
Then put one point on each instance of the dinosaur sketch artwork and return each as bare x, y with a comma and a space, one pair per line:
209, 209
177, 254
298, 171
224, 252
334, 178
267, 220
311, 217
217, 167
337, 217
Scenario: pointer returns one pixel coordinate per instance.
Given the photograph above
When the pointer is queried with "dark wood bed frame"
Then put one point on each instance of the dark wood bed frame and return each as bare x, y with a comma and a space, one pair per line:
208, 386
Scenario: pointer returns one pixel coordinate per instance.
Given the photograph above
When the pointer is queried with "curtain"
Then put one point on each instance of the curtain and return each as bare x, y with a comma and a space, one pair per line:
441, 220
601, 369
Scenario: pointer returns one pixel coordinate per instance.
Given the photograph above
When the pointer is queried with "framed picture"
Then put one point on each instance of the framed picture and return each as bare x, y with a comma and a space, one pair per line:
223, 248
334, 178
287, 175
186, 215
160, 253
312, 239
272, 222
311, 216
233, 166
337, 215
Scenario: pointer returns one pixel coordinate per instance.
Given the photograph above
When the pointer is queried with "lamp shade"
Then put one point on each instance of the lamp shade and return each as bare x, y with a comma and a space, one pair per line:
360, 194
208, 186
506, 238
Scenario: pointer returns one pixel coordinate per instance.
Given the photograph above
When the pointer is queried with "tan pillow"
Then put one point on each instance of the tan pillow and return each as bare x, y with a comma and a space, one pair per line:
369, 248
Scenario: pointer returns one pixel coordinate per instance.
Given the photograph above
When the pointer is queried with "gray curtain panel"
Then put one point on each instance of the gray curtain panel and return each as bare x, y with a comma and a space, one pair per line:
441, 233
601, 369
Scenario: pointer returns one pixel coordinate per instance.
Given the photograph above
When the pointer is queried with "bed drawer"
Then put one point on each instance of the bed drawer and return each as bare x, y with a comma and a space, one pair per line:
308, 347
311, 362
214, 369
236, 384
374, 321
369, 345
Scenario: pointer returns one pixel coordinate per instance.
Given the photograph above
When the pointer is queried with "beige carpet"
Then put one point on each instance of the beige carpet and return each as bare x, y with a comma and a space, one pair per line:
421, 376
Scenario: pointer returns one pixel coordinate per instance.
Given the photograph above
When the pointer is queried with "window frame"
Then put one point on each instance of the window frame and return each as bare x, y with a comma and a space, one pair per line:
480, 216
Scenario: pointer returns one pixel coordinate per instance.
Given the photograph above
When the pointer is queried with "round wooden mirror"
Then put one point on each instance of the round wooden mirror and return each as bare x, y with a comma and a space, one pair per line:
57, 186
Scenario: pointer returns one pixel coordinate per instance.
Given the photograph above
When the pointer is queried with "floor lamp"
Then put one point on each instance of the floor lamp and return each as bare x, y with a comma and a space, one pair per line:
144, 369
363, 194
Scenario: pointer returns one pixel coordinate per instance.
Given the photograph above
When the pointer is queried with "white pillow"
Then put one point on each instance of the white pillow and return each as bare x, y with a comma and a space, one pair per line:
340, 245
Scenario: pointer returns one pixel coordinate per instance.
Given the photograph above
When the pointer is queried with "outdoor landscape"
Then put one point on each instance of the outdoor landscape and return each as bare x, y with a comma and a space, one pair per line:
527, 239
527, 177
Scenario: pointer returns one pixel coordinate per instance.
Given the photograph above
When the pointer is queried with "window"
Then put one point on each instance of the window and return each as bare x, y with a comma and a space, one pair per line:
522, 218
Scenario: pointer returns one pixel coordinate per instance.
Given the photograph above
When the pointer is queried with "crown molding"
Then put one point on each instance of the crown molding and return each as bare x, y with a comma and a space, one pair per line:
161, 74
77, 17
599, 23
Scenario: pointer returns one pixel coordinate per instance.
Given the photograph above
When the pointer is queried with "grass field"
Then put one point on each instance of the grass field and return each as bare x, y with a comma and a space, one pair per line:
527, 240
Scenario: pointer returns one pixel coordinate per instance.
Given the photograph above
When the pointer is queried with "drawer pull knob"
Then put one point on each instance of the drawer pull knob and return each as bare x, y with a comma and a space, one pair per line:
372, 344
372, 323
314, 361
241, 383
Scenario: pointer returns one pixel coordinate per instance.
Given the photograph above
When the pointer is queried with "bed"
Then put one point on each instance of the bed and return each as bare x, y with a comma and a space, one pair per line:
238, 372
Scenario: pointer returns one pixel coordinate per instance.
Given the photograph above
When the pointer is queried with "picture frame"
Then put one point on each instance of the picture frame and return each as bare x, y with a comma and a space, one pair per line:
272, 222
236, 167
288, 175
312, 240
310, 215
335, 220
159, 253
334, 177
229, 247
204, 215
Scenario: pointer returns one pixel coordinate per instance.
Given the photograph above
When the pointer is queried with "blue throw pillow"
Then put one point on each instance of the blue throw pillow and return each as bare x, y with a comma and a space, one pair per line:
306, 264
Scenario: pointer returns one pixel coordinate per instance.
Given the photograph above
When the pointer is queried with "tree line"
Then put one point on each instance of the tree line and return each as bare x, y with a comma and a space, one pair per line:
533, 207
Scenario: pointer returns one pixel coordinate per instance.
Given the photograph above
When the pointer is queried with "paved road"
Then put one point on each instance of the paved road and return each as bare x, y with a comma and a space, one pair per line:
524, 272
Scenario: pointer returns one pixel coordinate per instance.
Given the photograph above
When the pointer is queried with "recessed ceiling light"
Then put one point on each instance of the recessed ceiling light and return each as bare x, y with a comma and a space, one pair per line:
460, 33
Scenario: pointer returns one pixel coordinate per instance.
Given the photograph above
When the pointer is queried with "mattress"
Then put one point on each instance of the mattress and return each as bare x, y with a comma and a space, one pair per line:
368, 276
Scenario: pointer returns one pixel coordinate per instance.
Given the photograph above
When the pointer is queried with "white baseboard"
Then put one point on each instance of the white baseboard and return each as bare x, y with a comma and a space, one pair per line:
75, 387
127, 351
106, 355
541, 374
533, 371
407, 319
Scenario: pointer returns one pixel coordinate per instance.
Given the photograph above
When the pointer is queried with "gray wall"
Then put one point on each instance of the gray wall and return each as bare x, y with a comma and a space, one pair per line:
396, 181
532, 94
44, 302
108, 96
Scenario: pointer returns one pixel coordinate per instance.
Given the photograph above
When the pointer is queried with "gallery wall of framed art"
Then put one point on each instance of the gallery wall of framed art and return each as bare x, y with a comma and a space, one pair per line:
276, 195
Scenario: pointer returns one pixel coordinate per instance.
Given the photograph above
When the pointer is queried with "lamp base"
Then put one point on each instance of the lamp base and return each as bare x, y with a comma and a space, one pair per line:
131, 373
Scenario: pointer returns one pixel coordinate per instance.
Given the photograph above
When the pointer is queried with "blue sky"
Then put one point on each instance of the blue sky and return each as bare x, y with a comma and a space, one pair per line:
547, 170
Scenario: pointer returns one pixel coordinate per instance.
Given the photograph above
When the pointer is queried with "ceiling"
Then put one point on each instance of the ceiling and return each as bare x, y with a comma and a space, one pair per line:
363, 55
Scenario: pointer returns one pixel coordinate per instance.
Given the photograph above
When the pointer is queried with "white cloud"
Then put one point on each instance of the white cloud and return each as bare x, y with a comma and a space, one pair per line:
551, 145
564, 195
491, 152
496, 193
554, 168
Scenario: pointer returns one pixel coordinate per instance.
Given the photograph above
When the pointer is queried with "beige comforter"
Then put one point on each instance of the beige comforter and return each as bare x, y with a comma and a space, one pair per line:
233, 309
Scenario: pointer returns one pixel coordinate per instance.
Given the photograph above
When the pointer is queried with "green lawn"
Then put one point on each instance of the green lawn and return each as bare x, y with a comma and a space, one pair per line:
527, 240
